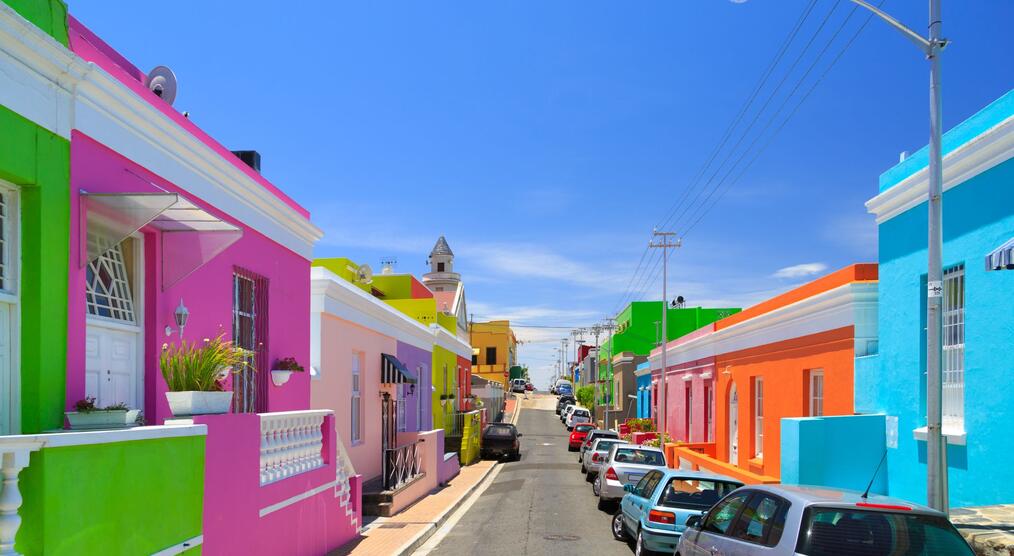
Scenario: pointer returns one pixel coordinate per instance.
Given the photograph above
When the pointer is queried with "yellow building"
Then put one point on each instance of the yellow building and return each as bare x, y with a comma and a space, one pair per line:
494, 350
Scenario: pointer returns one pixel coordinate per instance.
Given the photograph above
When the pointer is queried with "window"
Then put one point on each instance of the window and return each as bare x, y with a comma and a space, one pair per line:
399, 403
249, 331
709, 412
8, 235
357, 409
109, 283
762, 520
953, 364
475, 358
720, 518
639, 456
832, 531
816, 392
491, 355
440, 267
694, 493
758, 417
647, 485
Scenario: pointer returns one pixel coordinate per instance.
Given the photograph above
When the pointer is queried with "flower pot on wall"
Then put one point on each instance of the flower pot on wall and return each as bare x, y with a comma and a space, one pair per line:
102, 419
280, 377
198, 403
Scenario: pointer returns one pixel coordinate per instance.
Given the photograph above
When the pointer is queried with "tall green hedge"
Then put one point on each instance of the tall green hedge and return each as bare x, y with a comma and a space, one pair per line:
585, 396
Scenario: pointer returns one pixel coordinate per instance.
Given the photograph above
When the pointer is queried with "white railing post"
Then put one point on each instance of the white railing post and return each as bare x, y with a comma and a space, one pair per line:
15, 458
291, 443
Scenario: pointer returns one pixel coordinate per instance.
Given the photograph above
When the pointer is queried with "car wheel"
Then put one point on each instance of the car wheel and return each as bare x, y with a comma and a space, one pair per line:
588, 477
639, 549
619, 531
603, 504
583, 469
596, 487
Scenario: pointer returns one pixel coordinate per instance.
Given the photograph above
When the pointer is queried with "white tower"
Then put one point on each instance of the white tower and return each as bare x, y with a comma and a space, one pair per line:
441, 277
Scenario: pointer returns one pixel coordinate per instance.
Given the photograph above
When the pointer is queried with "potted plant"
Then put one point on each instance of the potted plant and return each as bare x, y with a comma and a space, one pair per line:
89, 417
194, 372
283, 369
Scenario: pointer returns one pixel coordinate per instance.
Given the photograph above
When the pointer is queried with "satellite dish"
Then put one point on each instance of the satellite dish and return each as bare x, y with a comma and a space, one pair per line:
364, 274
162, 82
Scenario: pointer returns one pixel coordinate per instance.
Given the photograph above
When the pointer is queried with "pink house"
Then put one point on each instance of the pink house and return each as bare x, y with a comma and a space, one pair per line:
174, 238
690, 387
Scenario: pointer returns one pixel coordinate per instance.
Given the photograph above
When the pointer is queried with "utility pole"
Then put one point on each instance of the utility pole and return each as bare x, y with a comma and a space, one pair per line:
665, 243
609, 326
563, 355
932, 47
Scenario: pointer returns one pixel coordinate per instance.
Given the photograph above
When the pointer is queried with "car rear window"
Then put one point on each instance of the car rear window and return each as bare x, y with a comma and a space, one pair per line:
604, 445
828, 531
581, 419
584, 427
638, 456
584, 412
695, 493
499, 430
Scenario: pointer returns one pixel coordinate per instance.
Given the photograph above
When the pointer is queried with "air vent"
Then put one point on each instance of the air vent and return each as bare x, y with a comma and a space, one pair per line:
250, 158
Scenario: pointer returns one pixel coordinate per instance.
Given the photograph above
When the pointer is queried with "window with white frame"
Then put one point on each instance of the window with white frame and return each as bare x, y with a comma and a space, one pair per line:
109, 284
816, 392
953, 364
357, 409
758, 417
8, 246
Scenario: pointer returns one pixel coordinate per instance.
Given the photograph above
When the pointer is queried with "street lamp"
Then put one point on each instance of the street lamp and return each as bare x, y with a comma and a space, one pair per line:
936, 470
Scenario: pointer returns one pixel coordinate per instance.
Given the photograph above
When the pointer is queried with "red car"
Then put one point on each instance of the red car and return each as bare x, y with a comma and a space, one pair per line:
577, 437
530, 387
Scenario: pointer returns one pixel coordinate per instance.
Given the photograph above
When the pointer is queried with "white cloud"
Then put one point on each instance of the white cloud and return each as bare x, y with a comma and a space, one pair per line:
800, 270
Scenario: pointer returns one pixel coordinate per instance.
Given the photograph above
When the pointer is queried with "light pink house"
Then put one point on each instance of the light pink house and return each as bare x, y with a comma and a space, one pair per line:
164, 218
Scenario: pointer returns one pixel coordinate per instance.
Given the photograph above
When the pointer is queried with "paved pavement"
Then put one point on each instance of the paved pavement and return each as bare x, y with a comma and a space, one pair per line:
538, 505
989, 529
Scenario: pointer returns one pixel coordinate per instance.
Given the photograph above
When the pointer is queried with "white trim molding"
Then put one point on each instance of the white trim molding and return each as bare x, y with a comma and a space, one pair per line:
991, 148
50, 85
181, 547
852, 304
87, 438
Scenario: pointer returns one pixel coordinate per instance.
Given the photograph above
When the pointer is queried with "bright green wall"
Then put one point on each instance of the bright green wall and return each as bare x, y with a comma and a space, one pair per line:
128, 498
38, 162
443, 356
394, 286
422, 310
636, 329
48, 15
344, 268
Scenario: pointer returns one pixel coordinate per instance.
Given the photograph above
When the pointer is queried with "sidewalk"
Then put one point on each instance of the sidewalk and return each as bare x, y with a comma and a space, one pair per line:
989, 529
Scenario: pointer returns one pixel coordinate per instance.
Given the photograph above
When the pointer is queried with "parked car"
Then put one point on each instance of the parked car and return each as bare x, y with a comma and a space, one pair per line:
563, 401
626, 464
518, 385
818, 521
500, 440
655, 510
529, 387
566, 411
594, 434
578, 415
577, 437
596, 455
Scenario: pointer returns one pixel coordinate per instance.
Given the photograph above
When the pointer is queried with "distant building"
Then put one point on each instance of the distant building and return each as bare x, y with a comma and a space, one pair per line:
494, 350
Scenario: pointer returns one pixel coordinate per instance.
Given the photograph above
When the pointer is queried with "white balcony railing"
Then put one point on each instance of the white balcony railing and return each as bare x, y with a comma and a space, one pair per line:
291, 443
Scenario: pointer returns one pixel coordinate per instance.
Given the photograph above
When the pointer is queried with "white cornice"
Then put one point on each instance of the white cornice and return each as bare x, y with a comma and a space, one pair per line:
991, 148
331, 295
852, 304
451, 342
51, 86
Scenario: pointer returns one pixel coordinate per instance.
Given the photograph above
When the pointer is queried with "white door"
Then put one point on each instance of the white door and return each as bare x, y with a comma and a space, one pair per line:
113, 371
7, 394
733, 426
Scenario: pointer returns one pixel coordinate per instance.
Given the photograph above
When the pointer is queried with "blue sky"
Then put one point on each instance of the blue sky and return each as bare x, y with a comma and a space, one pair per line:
546, 139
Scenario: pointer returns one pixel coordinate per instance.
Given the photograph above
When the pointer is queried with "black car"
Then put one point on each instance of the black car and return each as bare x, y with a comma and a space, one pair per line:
501, 440
563, 401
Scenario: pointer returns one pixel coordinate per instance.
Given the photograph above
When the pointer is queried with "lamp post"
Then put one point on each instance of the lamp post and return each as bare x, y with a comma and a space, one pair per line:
936, 470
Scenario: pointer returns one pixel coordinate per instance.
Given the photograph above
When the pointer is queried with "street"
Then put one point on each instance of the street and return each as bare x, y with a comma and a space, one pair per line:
538, 505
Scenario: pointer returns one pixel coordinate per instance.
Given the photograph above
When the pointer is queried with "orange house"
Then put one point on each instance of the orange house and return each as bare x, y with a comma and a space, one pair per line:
790, 356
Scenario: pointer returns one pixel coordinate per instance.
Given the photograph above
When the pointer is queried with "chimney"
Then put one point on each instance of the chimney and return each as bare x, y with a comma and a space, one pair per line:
250, 158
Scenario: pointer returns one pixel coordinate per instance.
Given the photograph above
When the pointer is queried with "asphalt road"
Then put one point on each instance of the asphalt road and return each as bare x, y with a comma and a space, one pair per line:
538, 505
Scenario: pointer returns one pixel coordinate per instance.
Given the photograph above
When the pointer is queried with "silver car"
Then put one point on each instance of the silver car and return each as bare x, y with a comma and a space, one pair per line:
566, 412
577, 415
776, 520
596, 455
626, 464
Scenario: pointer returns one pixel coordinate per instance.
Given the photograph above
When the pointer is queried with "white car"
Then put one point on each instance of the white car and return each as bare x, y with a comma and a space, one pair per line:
593, 457
566, 411
626, 464
578, 415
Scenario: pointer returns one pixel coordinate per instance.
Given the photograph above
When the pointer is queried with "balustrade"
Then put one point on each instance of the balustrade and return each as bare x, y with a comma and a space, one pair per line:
14, 452
291, 443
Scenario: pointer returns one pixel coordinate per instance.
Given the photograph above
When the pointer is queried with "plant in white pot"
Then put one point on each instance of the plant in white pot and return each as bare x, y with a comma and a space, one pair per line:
194, 372
89, 417
283, 369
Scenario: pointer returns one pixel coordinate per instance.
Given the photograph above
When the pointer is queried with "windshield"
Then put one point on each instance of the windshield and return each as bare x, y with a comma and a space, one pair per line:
828, 531
695, 493
638, 456
584, 427
580, 419
499, 430
604, 445
583, 412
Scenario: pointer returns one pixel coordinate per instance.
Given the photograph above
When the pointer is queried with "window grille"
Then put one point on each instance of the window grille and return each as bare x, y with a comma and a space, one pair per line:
108, 289
250, 332
357, 427
816, 392
953, 366
758, 419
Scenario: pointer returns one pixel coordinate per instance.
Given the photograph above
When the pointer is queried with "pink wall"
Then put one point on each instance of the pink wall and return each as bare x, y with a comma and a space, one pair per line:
234, 498
207, 292
339, 339
677, 424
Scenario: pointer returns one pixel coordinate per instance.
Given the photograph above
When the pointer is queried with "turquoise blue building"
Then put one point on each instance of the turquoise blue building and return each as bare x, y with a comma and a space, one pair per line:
978, 213
643, 384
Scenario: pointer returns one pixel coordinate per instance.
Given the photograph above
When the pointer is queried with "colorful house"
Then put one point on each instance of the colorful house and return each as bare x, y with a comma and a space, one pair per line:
731, 384
978, 227
494, 350
154, 233
371, 367
644, 403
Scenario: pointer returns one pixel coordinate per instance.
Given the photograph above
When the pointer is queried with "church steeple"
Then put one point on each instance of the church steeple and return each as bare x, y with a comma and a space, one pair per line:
441, 276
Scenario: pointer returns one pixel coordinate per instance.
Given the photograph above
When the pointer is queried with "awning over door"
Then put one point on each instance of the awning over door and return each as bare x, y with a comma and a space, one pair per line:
1002, 257
190, 235
393, 371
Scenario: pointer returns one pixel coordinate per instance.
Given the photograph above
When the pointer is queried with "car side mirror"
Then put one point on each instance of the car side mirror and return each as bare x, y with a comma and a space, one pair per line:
628, 488
695, 521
